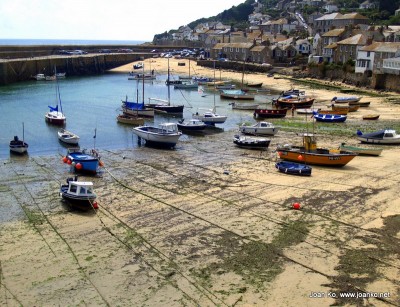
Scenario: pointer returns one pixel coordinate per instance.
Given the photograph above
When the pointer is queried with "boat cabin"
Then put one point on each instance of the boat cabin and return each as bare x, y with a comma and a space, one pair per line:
80, 188
169, 127
309, 142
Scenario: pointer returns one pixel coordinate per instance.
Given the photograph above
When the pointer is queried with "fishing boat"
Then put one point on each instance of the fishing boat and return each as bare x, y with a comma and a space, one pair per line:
79, 194
308, 153
39, 77
269, 113
260, 128
191, 125
68, 137
293, 168
385, 136
136, 109
362, 150
166, 135
370, 117
329, 118
251, 142
83, 160
346, 99
236, 94
244, 106
56, 116
130, 120
294, 102
19, 146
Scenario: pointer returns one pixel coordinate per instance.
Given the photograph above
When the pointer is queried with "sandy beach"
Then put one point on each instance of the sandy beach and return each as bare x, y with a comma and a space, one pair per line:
206, 224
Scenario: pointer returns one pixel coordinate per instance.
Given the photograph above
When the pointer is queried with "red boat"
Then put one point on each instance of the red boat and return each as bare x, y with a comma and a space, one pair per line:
301, 102
270, 113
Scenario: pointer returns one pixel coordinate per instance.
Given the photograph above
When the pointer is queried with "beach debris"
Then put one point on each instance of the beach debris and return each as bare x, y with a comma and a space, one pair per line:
296, 206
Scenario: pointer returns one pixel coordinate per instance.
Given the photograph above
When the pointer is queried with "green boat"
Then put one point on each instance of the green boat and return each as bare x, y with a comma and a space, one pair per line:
366, 151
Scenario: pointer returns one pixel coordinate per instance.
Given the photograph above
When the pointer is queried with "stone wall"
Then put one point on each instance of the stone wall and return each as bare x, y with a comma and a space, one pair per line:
23, 69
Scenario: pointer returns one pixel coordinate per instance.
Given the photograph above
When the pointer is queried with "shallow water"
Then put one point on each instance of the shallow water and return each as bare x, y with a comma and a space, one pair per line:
93, 103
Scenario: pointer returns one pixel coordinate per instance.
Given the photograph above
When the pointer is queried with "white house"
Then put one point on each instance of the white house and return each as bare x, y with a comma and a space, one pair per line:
391, 66
303, 46
371, 57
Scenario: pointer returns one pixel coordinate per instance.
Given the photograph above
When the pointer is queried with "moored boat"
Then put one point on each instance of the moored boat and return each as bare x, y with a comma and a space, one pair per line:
191, 125
236, 94
329, 118
346, 99
366, 151
244, 106
269, 113
370, 117
68, 137
82, 160
79, 194
210, 117
260, 128
309, 153
385, 136
293, 168
19, 146
166, 135
307, 110
298, 102
130, 120
348, 107
339, 111
251, 142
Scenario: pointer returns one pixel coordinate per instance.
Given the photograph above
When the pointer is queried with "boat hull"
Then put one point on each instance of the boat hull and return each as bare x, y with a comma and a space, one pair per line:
244, 106
80, 202
19, 149
329, 118
267, 113
144, 113
293, 168
88, 162
251, 143
130, 120
155, 136
55, 119
237, 96
168, 109
362, 150
369, 140
320, 157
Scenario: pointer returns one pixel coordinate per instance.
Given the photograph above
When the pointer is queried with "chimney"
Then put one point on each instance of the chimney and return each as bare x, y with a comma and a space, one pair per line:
369, 41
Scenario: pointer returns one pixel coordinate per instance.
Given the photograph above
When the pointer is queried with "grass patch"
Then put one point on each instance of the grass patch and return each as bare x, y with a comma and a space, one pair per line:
257, 262
34, 217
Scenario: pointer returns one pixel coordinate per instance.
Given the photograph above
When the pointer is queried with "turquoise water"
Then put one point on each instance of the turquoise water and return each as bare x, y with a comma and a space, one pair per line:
93, 103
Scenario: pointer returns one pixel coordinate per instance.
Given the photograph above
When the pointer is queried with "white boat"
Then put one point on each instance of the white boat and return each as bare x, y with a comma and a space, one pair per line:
260, 128
39, 77
346, 99
79, 194
385, 136
186, 85
210, 117
17, 145
244, 106
68, 137
307, 111
143, 77
56, 116
61, 75
167, 134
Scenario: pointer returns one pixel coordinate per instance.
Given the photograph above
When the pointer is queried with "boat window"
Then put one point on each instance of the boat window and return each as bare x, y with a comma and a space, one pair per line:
73, 189
83, 190
388, 135
89, 190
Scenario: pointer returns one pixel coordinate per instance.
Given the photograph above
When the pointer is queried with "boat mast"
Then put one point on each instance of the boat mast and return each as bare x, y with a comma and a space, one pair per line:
169, 93
58, 90
143, 85
215, 108
23, 133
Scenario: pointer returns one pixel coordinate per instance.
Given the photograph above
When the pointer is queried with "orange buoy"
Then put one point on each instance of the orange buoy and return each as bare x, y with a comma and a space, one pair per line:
101, 163
78, 166
69, 162
65, 159
95, 205
300, 157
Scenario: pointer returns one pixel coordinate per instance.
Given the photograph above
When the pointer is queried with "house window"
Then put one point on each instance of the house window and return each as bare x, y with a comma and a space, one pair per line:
237, 49
368, 53
231, 49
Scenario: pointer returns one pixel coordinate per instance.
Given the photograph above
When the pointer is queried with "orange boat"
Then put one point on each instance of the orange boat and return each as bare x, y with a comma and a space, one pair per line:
310, 154
371, 117
349, 108
298, 102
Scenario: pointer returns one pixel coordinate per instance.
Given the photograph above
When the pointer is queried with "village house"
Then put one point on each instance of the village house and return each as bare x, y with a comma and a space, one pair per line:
328, 39
303, 46
260, 54
233, 51
391, 66
371, 57
347, 49
324, 23
351, 19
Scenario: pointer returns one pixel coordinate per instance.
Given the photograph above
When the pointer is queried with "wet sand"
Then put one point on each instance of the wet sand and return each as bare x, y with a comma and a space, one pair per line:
205, 224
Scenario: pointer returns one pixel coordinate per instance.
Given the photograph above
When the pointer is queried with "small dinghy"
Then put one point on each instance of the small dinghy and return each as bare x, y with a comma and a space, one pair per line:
370, 117
68, 137
293, 168
79, 194
251, 142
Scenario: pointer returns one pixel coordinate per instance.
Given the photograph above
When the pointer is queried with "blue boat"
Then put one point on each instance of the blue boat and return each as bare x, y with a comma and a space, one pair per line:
329, 118
293, 168
82, 161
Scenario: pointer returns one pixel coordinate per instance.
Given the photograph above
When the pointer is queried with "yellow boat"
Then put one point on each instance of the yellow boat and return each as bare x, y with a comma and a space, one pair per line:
310, 154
